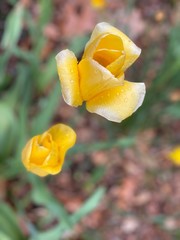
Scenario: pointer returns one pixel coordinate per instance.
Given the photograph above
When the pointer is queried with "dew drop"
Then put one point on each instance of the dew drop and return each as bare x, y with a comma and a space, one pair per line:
117, 94
125, 100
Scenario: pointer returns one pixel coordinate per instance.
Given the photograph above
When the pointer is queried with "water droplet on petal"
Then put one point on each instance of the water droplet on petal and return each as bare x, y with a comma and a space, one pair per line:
95, 71
125, 100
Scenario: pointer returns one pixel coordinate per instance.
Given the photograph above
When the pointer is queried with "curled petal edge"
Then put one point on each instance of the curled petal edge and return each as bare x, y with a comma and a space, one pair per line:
118, 103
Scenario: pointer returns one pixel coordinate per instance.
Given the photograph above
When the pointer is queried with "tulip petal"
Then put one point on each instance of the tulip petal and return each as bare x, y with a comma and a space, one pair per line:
54, 162
65, 138
118, 103
26, 152
98, 3
26, 158
106, 56
116, 67
174, 155
37, 170
103, 41
53, 170
68, 73
131, 50
63, 135
39, 152
94, 78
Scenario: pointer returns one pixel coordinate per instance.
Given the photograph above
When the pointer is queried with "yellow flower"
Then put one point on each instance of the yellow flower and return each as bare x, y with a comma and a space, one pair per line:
44, 154
174, 155
98, 3
98, 78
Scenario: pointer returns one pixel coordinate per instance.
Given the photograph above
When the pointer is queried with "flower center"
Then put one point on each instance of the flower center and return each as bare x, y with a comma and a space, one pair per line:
106, 56
41, 149
109, 49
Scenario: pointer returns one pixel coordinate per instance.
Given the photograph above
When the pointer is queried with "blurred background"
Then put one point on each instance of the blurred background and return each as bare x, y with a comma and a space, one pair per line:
119, 181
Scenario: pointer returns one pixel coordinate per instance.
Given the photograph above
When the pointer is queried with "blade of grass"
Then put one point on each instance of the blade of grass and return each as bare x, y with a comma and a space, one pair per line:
8, 223
48, 106
90, 204
47, 74
41, 195
3, 236
96, 146
77, 44
13, 27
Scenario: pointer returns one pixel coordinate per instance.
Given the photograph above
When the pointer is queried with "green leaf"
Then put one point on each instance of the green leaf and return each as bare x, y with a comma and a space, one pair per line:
3, 236
174, 46
41, 195
96, 146
57, 232
12, 1
8, 131
46, 10
8, 223
173, 110
3, 63
89, 205
77, 44
158, 219
24, 55
47, 108
13, 27
47, 74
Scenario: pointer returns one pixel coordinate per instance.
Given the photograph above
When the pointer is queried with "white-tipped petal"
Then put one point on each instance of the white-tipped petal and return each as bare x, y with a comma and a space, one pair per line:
131, 50
67, 66
118, 103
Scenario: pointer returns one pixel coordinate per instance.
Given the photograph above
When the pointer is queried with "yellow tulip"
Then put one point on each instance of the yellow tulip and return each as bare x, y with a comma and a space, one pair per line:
44, 154
98, 78
98, 3
174, 155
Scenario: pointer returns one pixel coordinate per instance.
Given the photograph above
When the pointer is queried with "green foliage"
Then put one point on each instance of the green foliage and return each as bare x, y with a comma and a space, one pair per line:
77, 44
29, 97
157, 97
9, 229
96, 146
42, 196
173, 110
8, 131
57, 232
13, 27
32, 78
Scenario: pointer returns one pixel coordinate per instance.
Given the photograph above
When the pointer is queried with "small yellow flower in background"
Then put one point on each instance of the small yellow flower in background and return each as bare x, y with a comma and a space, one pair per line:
98, 78
174, 155
98, 3
44, 154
